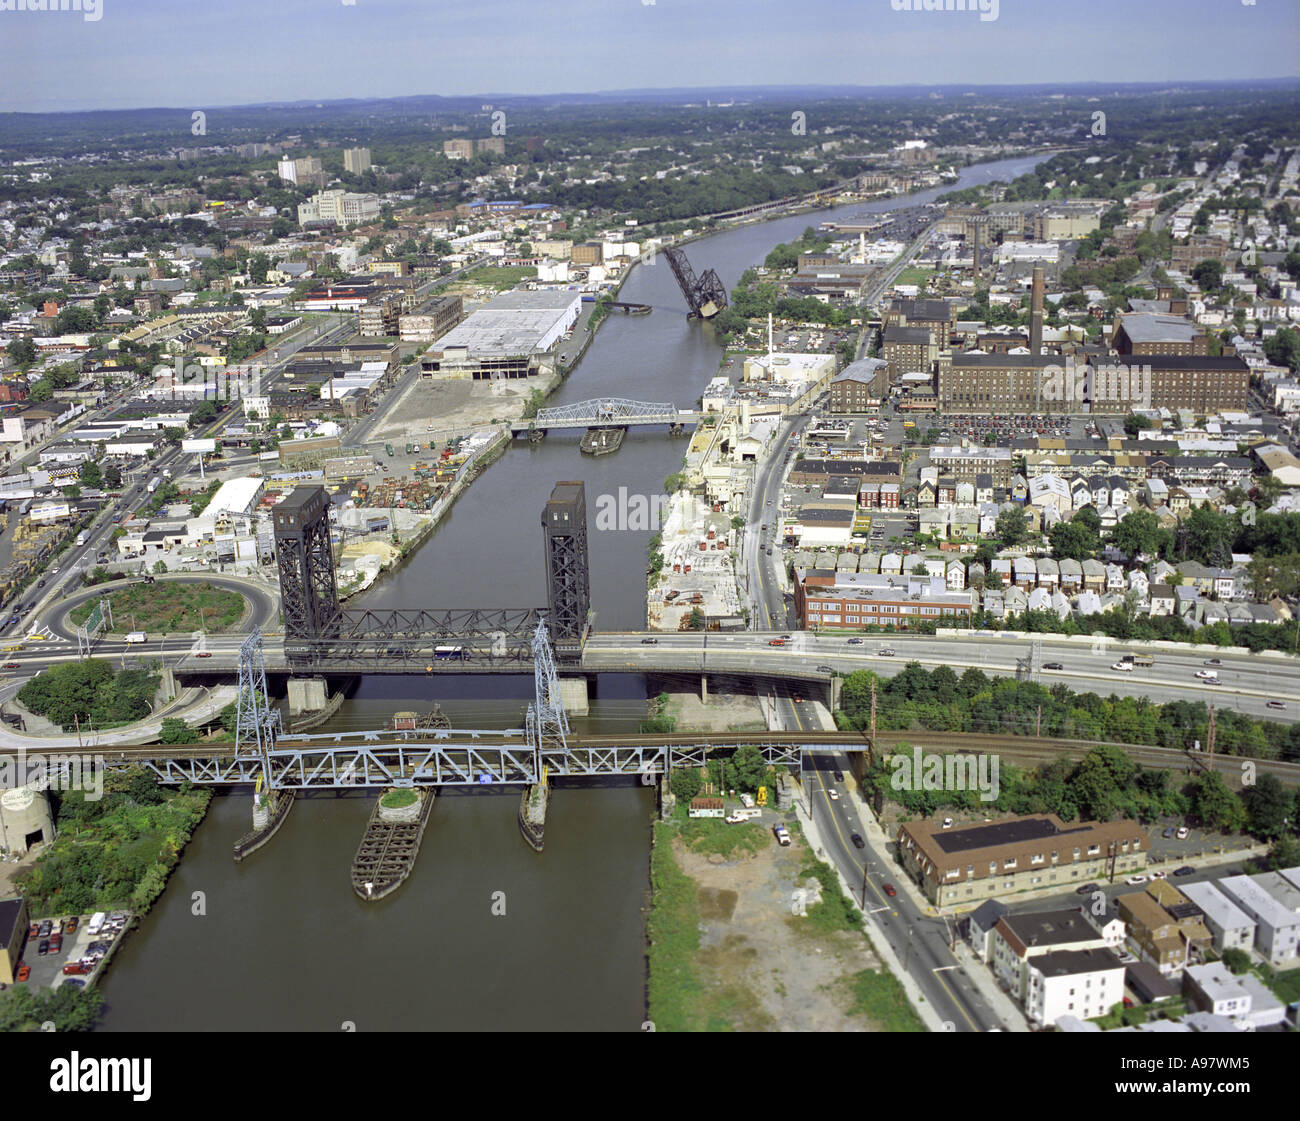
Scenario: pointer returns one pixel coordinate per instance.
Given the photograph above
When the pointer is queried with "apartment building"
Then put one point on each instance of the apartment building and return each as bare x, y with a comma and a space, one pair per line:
999, 384
1242, 999
1148, 333
966, 465
343, 208
1017, 939
1274, 904
356, 160
1036, 850
440, 318
936, 316
856, 600
1164, 927
1082, 983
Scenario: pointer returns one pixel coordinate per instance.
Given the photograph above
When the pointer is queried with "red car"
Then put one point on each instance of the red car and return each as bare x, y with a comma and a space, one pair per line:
78, 968
890, 890
24, 971
56, 943
11, 665
776, 642
34, 931
203, 654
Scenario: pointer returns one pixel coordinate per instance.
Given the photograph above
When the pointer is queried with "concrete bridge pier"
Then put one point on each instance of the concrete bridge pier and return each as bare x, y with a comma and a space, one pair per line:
536, 435
704, 688
573, 695
307, 694
675, 429
833, 694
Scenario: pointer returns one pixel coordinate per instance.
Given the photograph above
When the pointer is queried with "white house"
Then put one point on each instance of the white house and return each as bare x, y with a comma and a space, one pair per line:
1082, 983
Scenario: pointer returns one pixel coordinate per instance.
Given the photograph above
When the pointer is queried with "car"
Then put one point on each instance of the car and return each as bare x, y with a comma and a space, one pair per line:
947, 823
649, 642
1185, 870
1136, 880
1206, 675
776, 642
834, 794
1213, 662
1087, 889
44, 947
203, 653
1275, 704
46, 927
858, 842
1168, 833
75, 983
1123, 667
24, 971
1053, 665
77, 969
889, 890
70, 925
34, 931
1182, 833
1127, 1002
855, 642
40, 583
839, 775
769, 550
1158, 875
825, 669
886, 653
785, 637
56, 942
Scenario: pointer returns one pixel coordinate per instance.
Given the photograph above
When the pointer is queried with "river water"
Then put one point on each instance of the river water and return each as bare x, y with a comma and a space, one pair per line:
280, 942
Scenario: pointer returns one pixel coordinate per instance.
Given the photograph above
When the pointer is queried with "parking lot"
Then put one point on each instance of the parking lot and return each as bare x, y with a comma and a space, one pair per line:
68, 946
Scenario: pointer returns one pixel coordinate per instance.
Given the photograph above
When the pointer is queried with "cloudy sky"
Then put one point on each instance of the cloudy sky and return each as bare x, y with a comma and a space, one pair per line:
208, 53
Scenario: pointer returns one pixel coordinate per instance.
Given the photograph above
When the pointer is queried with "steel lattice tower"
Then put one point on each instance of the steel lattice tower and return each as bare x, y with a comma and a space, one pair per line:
256, 723
308, 593
568, 587
547, 722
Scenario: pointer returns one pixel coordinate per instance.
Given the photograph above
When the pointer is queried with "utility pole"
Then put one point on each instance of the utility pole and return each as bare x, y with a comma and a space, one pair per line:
1038, 723
1210, 738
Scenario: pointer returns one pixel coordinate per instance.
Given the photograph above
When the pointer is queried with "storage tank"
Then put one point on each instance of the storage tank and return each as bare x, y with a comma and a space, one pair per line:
25, 819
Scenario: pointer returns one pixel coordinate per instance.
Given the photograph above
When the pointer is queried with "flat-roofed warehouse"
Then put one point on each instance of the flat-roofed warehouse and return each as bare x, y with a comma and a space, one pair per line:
507, 337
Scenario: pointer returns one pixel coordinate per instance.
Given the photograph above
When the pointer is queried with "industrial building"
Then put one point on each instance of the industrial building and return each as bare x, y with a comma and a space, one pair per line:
506, 338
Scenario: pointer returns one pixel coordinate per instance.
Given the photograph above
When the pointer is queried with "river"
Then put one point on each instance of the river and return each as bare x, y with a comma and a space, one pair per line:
283, 944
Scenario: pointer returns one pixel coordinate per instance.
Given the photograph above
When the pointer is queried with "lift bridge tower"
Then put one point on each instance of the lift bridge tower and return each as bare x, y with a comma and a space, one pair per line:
705, 295
568, 584
305, 559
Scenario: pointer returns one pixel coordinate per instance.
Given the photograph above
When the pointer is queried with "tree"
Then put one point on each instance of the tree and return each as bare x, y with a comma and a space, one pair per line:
90, 474
1214, 805
1283, 349
175, 730
113, 476
1209, 537
1267, 805
1012, 526
696, 620
204, 413
1208, 273
1138, 533
685, 782
1072, 540
750, 768
22, 352
1135, 423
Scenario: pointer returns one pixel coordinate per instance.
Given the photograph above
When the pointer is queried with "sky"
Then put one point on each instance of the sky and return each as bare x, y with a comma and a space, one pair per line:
202, 54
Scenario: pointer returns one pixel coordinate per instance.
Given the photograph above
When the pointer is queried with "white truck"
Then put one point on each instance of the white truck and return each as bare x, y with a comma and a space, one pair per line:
83, 537
153, 484
134, 637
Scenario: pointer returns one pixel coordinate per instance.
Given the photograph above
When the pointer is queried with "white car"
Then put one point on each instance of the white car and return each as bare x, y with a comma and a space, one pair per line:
1206, 674
1136, 880
1158, 875
835, 794
1123, 667
1182, 833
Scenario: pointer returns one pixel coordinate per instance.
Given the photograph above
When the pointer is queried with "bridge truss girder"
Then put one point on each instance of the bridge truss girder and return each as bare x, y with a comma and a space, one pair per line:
606, 410
498, 637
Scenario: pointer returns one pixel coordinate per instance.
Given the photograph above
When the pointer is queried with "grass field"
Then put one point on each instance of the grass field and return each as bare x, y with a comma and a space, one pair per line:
167, 607
498, 279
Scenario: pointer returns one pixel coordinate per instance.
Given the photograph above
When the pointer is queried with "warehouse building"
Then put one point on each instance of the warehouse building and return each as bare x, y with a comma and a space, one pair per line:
508, 337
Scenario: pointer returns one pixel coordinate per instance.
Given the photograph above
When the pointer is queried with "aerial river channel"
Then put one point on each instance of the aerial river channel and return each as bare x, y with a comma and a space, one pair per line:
284, 944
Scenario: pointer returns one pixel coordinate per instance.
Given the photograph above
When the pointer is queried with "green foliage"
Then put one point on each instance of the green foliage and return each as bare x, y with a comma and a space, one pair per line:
170, 607
1012, 526
878, 995
69, 1009
1236, 961
175, 730
89, 691
685, 783
674, 991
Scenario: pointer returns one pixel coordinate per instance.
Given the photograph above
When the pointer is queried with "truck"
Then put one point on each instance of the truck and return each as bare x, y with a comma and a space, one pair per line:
781, 833
83, 537
153, 484
134, 637
1135, 660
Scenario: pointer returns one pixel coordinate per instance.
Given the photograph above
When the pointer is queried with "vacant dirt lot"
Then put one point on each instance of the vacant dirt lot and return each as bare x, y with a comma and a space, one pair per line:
456, 406
765, 968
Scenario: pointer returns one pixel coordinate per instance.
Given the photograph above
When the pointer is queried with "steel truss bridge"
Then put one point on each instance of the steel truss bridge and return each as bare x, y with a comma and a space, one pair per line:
544, 748
466, 640
607, 412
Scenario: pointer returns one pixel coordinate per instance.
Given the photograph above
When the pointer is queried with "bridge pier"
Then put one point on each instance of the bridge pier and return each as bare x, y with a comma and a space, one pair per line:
704, 688
573, 695
307, 694
536, 435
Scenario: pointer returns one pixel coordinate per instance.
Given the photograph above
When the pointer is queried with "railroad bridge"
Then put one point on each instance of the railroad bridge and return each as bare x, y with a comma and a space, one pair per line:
606, 412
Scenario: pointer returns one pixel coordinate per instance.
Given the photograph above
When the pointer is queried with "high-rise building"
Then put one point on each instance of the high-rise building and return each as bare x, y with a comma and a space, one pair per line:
356, 160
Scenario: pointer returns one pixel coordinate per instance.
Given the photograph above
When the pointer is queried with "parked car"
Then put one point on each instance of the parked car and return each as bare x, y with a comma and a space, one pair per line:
1168, 833
75, 983
1157, 874
77, 969
70, 925
947, 823
56, 942
34, 931
1136, 880
46, 927
1185, 870
1182, 833
1087, 889
889, 890
44, 947
24, 971
858, 842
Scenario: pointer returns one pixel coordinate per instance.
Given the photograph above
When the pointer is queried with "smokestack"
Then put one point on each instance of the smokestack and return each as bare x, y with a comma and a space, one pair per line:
862, 244
1036, 313
975, 249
